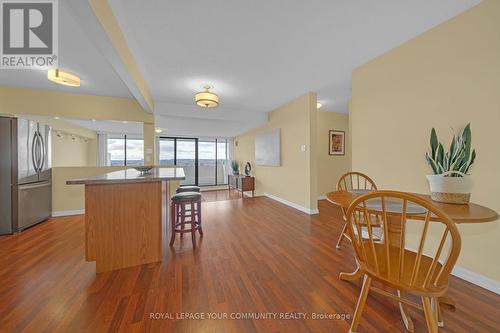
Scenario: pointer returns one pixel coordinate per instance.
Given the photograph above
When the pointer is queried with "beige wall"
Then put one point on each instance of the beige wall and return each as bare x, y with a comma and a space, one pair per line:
44, 103
331, 168
52, 103
445, 78
72, 197
296, 179
67, 156
92, 153
67, 151
149, 144
59, 124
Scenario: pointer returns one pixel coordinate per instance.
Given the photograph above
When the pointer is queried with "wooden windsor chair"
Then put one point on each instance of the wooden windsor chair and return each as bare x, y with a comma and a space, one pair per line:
423, 271
352, 181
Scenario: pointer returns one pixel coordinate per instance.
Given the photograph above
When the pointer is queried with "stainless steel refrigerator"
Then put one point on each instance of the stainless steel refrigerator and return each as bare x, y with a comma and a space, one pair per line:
25, 174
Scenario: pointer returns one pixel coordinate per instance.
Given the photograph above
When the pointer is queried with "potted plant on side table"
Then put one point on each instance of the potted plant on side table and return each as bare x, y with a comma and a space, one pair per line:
235, 167
450, 182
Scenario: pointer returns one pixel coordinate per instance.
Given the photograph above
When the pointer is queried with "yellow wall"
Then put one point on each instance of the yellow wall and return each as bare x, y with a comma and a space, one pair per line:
67, 151
59, 124
52, 103
445, 78
72, 197
45, 104
92, 153
149, 144
331, 168
296, 179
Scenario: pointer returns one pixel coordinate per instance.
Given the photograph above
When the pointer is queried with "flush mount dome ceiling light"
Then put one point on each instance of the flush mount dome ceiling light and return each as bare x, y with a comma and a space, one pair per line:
206, 99
60, 77
318, 105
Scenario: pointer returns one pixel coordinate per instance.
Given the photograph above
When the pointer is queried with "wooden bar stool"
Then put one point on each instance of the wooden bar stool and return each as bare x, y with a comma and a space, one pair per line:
188, 188
185, 209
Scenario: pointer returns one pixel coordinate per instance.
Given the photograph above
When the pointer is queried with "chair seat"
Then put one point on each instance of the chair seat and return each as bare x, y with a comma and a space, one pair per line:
404, 278
188, 188
186, 196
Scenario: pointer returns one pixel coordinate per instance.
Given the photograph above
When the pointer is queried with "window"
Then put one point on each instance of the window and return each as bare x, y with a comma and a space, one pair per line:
125, 150
134, 151
204, 160
116, 151
181, 152
222, 162
166, 151
186, 157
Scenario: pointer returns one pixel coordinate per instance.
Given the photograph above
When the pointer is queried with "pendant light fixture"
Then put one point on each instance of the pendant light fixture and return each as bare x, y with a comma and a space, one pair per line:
206, 98
60, 77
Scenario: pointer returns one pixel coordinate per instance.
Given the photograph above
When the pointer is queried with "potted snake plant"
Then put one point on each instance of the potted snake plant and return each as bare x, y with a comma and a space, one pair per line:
235, 167
450, 181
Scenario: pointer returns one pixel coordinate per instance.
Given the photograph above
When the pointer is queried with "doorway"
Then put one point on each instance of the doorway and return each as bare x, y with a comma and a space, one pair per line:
205, 161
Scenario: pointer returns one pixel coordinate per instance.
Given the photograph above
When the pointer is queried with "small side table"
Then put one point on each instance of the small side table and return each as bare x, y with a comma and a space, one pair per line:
241, 183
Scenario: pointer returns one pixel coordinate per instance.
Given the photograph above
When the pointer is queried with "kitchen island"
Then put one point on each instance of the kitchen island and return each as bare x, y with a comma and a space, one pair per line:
126, 216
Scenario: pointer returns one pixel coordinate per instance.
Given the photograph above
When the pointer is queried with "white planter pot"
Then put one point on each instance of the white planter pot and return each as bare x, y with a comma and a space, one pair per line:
450, 189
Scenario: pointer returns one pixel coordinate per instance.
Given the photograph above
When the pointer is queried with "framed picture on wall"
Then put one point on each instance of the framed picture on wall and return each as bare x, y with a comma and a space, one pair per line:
336, 142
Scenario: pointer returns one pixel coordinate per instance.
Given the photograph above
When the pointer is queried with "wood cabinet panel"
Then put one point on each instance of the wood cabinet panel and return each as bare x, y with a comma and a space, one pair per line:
242, 183
124, 224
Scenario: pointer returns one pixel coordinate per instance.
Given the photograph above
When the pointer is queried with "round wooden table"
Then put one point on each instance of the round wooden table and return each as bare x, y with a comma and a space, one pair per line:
470, 213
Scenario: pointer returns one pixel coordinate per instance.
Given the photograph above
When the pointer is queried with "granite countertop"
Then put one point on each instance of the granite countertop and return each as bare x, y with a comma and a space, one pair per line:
132, 176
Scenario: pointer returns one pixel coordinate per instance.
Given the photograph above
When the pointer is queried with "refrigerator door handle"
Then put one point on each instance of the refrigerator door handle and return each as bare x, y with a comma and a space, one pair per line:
42, 146
38, 152
33, 146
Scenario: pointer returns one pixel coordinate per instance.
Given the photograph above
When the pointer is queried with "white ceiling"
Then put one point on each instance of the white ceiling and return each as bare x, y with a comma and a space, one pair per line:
204, 127
78, 55
260, 54
256, 54
189, 120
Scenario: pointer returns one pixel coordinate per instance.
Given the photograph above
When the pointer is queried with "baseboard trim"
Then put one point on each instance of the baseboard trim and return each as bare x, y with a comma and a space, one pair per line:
293, 205
213, 188
322, 197
474, 278
477, 279
68, 212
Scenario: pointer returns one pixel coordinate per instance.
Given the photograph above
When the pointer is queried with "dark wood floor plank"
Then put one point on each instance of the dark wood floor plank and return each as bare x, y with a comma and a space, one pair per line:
256, 255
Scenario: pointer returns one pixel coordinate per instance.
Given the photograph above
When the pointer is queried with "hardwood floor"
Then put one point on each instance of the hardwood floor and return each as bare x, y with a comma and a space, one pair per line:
256, 255
220, 195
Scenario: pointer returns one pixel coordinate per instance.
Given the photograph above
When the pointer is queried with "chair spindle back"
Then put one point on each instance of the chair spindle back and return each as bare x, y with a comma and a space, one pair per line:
355, 181
425, 268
